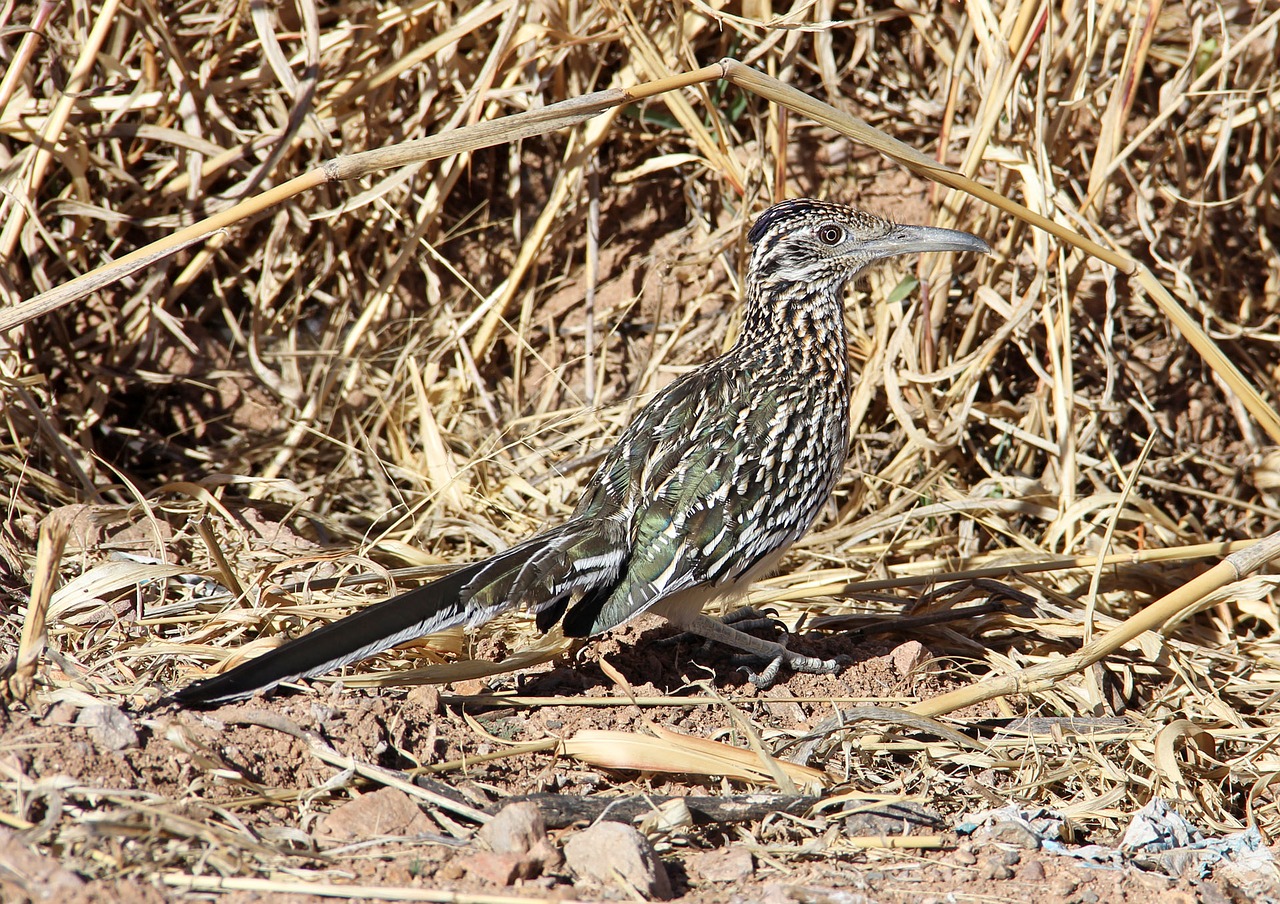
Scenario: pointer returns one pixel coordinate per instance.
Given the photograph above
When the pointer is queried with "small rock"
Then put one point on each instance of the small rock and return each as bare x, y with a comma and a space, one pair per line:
1012, 833
995, 869
610, 851
520, 829
722, 865
1032, 871
516, 829
470, 687
425, 695
965, 856
783, 710
901, 818
909, 658
495, 868
387, 811
108, 726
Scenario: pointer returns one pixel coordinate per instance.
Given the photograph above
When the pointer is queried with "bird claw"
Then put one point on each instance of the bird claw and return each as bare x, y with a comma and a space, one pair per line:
748, 618
795, 661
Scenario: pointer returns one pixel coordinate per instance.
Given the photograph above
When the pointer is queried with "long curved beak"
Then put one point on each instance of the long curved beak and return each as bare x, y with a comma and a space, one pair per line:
915, 239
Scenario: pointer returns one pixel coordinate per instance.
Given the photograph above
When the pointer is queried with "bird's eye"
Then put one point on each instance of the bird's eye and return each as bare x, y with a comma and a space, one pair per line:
831, 234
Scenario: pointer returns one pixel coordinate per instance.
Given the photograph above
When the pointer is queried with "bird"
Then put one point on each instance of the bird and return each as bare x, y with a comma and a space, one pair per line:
701, 494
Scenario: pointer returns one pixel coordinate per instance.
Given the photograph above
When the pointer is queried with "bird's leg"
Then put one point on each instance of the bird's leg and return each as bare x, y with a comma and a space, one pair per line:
774, 654
744, 618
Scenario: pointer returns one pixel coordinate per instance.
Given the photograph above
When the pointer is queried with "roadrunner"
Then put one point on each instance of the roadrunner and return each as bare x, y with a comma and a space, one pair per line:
723, 470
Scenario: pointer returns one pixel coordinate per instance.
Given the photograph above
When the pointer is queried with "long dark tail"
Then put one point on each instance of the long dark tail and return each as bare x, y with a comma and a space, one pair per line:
542, 573
432, 607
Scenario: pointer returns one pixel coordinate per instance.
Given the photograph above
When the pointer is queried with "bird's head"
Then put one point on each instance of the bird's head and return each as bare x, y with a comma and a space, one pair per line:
818, 242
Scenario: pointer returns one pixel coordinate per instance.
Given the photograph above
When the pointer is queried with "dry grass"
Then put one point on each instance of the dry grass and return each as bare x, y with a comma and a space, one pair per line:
419, 369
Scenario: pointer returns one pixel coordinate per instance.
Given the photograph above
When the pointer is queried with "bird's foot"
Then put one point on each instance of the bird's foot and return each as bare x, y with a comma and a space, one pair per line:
748, 618
774, 655
797, 662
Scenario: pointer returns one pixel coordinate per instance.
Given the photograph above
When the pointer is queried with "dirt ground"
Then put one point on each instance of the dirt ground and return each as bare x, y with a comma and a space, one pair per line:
247, 783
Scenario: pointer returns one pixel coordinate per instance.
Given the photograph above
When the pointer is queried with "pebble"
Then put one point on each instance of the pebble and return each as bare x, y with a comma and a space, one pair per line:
606, 848
909, 657
425, 695
900, 818
108, 726
1012, 833
993, 868
722, 865
387, 811
495, 868
1032, 871
519, 829
516, 829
